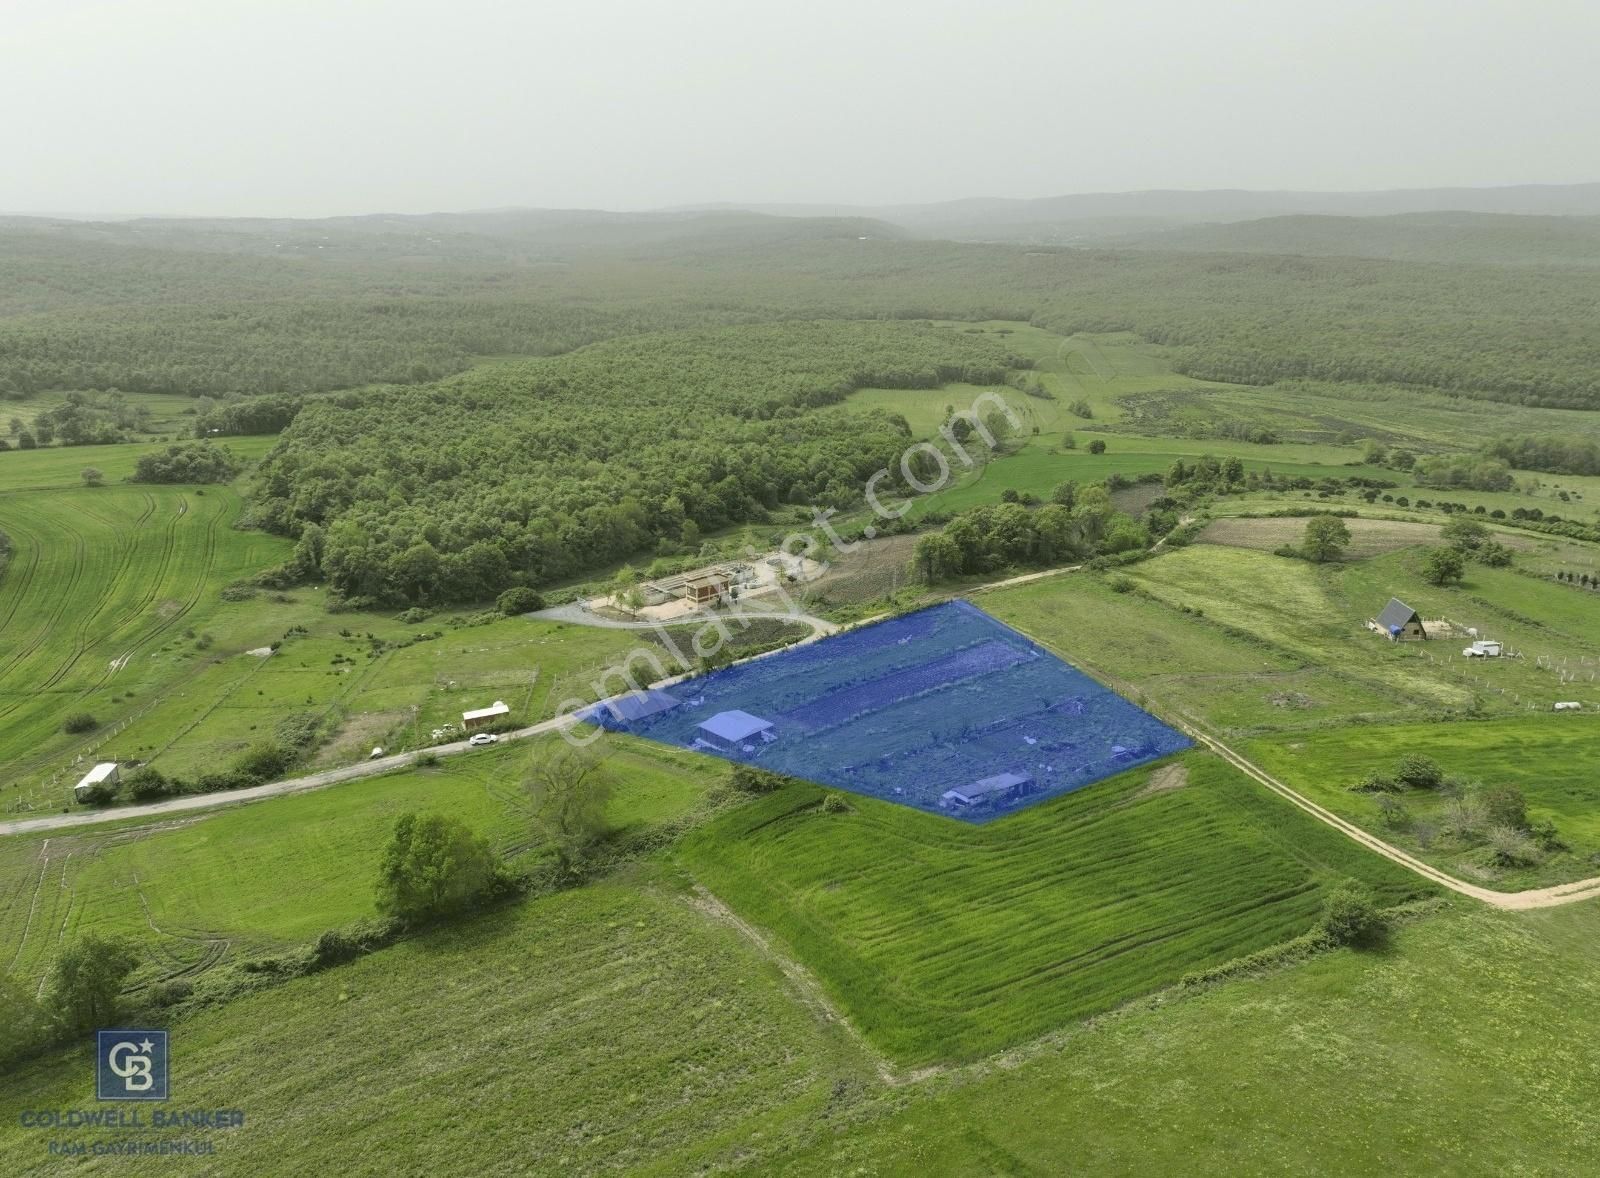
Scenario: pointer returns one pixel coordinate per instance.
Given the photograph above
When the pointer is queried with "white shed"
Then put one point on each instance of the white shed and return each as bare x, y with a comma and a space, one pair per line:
478, 717
105, 773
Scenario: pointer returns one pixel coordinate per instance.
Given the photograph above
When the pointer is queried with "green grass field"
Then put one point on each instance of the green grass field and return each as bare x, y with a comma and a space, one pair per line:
1551, 758
1273, 654
944, 940
107, 591
613, 1027
1462, 1050
60, 467
197, 891
170, 414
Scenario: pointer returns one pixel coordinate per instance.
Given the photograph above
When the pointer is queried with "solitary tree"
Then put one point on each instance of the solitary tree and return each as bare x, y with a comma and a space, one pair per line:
1326, 538
92, 477
1097, 446
86, 979
1443, 566
570, 789
434, 865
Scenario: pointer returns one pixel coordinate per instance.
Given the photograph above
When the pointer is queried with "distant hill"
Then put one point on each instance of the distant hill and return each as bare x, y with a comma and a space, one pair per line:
1096, 217
1496, 238
509, 234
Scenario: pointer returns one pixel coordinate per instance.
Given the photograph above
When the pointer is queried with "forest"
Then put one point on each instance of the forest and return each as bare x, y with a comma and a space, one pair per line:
530, 472
82, 314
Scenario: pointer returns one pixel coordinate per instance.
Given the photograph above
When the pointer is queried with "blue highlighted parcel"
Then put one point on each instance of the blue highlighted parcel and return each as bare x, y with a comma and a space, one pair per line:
947, 710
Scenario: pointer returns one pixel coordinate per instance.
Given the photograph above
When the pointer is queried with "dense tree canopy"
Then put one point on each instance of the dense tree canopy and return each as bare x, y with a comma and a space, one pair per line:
526, 473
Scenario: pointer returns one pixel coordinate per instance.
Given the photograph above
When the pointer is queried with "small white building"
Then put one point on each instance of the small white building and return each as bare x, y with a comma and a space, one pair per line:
105, 773
1483, 648
481, 717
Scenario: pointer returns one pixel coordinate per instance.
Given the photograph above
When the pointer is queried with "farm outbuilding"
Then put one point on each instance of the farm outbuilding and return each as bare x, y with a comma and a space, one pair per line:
697, 587
731, 731
998, 788
1400, 622
105, 773
482, 717
712, 587
636, 705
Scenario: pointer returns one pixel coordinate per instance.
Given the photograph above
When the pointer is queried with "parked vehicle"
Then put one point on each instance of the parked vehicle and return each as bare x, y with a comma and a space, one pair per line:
483, 738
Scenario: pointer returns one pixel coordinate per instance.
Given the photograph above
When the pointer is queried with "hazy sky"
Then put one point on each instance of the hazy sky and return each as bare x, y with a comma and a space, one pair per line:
314, 107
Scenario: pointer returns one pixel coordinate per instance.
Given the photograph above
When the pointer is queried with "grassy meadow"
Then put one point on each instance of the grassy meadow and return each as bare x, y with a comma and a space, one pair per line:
1272, 655
197, 891
946, 941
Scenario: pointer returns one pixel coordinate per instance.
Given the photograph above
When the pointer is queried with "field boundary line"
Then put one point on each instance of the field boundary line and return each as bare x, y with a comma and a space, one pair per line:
811, 992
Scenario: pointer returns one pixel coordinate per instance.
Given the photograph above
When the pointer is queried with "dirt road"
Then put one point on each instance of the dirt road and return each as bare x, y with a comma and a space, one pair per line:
1510, 901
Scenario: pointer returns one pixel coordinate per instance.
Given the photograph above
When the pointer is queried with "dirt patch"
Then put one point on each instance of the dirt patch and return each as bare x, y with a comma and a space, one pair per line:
1291, 699
357, 737
872, 570
1164, 780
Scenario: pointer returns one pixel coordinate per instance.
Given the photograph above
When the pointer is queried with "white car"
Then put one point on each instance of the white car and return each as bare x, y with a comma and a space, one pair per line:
483, 738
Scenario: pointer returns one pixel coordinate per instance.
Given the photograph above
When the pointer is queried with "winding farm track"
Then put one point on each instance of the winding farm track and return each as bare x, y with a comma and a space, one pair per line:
1533, 898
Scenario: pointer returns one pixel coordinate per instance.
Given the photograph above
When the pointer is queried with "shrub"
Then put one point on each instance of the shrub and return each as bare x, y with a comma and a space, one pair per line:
1462, 818
264, 762
1376, 783
747, 779
1097, 446
1121, 584
519, 600
86, 979
413, 615
1393, 813
1545, 835
833, 802
145, 784
1504, 805
1419, 772
79, 722
1351, 916
1509, 847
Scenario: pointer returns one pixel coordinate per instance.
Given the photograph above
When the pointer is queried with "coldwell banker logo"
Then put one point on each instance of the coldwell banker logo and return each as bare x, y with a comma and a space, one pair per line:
131, 1065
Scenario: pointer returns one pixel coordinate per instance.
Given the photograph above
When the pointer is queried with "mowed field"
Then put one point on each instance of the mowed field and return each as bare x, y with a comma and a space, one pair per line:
104, 587
195, 892
943, 941
610, 1028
